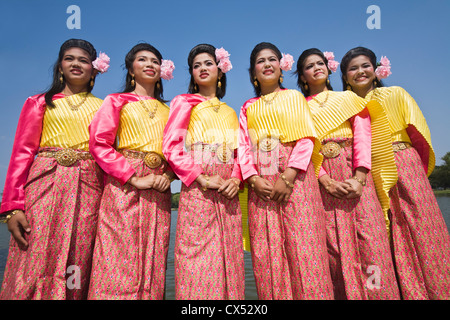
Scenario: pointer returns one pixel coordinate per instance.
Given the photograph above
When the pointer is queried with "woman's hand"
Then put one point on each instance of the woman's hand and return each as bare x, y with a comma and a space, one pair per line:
209, 182
337, 189
161, 183
284, 186
142, 183
18, 226
356, 183
229, 188
263, 188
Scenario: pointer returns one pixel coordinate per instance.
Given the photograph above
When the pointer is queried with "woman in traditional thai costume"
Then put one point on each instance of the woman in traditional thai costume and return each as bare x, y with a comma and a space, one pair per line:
358, 244
277, 149
132, 242
209, 259
420, 239
53, 186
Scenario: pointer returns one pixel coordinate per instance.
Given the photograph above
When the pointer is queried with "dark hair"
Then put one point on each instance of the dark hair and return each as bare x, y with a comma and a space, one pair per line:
300, 65
129, 59
353, 53
57, 86
259, 47
205, 48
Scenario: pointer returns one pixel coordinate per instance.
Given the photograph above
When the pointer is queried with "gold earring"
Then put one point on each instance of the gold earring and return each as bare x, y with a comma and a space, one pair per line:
195, 87
61, 79
132, 82
349, 87
305, 85
281, 79
158, 85
255, 82
92, 82
219, 84
328, 81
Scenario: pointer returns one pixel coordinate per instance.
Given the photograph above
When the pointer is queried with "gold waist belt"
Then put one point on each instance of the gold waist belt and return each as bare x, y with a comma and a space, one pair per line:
222, 151
397, 146
66, 157
332, 149
151, 159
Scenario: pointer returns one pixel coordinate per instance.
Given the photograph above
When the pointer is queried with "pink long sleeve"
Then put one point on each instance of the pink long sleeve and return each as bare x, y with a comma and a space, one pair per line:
25, 147
301, 154
245, 153
362, 140
103, 130
174, 137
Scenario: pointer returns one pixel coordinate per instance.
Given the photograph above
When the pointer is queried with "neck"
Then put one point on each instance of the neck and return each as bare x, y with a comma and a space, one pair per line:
145, 89
209, 92
266, 89
362, 92
71, 89
316, 89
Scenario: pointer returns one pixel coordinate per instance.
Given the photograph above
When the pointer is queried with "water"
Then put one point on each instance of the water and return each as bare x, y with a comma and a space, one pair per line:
250, 290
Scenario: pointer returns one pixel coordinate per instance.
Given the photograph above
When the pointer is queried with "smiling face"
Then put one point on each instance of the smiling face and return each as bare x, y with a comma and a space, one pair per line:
76, 67
267, 68
146, 68
360, 74
205, 70
315, 71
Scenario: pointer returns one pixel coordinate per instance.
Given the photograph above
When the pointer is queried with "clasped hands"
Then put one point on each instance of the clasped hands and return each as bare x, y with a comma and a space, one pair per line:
228, 188
347, 189
159, 182
280, 191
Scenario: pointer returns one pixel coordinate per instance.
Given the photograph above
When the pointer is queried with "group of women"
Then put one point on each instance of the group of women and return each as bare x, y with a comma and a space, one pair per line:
335, 183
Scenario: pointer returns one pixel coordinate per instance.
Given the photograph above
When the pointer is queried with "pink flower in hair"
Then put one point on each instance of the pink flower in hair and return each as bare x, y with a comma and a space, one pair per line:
384, 68
286, 62
167, 67
101, 63
223, 57
329, 55
332, 64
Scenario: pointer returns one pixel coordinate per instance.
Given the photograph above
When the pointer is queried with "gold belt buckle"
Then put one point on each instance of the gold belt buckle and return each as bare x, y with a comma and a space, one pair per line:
400, 146
66, 157
268, 144
331, 149
223, 153
152, 160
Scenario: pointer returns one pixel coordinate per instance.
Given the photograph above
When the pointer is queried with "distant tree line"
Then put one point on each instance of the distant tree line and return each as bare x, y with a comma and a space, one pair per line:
175, 199
440, 177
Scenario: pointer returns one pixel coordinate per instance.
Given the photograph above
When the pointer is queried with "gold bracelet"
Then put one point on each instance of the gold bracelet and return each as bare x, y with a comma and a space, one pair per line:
252, 181
9, 216
207, 183
165, 175
360, 181
288, 184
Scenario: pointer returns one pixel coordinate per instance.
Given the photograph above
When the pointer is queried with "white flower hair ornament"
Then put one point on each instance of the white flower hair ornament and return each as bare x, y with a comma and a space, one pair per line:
332, 64
101, 63
286, 62
167, 67
223, 58
383, 69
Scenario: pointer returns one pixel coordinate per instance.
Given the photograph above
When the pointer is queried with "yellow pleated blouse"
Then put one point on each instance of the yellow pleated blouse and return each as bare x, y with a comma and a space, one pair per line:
284, 115
213, 122
138, 131
401, 111
67, 128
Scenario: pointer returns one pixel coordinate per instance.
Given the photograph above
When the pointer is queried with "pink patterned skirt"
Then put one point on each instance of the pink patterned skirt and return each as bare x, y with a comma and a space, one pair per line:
61, 205
288, 240
209, 257
421, 242
358, 244
130, 255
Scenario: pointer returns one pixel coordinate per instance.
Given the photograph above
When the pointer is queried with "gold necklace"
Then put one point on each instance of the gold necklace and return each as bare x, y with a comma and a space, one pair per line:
322, 104
152, 113
74, 107
271, 100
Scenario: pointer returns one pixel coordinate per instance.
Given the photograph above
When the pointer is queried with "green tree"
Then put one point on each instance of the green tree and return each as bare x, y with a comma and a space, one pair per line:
174, 200
440, 177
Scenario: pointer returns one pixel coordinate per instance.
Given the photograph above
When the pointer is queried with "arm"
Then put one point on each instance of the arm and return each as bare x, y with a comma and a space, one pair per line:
25, 147
174, 139
103, 130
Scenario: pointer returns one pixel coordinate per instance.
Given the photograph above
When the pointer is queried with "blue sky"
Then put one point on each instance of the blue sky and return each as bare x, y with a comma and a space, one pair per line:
413, 35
